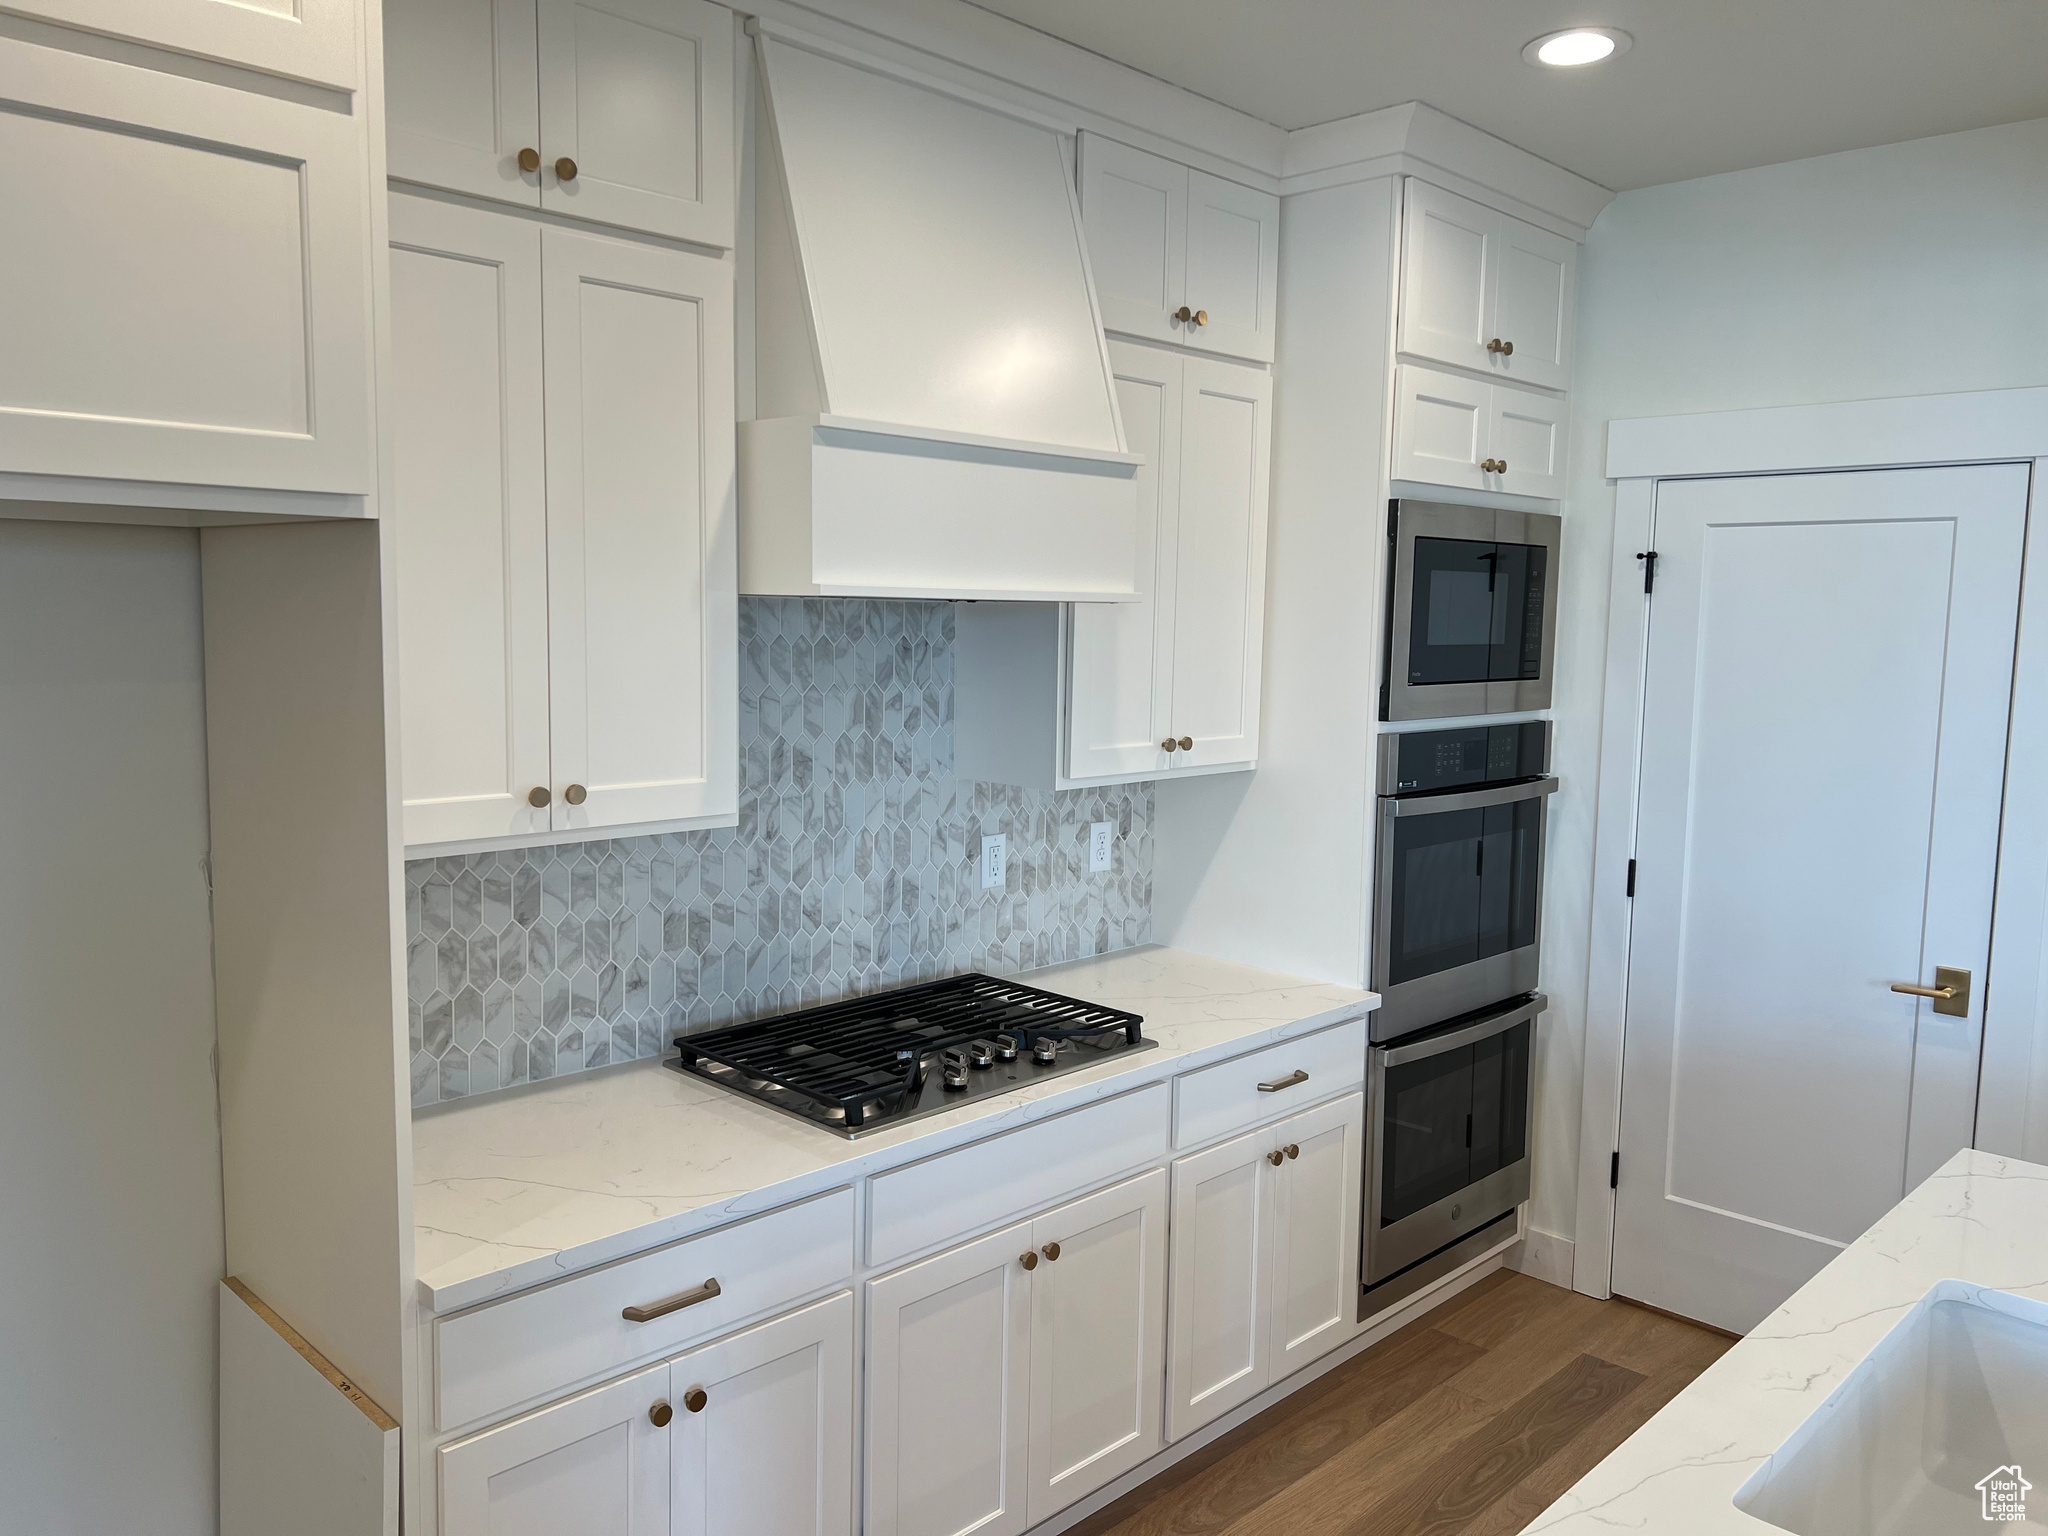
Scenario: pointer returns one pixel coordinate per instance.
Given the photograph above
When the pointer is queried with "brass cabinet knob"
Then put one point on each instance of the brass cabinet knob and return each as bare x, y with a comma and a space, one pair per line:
529, 160
1028, 1259
1275, 1158
565, 169
1501, 348
1187, 743
1500, 466
1201, 317
538, 796
1051, 1251
1493, 466
695, 1399
1183, 314
1169, 745
1291, 1150
661, 1413
575, 794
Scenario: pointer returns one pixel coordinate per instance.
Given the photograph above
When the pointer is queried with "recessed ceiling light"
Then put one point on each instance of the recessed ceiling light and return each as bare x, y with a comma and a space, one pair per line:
1576, 46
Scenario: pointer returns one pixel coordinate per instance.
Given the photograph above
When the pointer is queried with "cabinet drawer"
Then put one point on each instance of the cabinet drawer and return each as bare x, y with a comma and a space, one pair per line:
957, 1194
522, 1348
1226, 1098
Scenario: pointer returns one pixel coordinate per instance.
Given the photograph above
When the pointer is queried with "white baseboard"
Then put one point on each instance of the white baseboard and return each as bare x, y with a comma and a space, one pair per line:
1543, 1256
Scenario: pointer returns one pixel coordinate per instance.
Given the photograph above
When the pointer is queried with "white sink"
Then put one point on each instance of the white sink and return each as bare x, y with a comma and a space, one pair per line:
1949, 1411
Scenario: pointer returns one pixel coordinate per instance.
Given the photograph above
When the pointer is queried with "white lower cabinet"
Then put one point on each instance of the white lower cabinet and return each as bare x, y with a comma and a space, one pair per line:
1030, 1359
749, 1436
1265, 1258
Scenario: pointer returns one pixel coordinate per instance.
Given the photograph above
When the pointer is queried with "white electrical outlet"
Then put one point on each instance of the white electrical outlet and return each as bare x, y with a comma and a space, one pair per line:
995, 852
1099, 834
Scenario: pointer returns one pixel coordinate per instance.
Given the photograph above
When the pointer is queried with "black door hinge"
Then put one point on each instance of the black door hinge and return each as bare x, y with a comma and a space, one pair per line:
1631, 879
1614, 1171
1649, 559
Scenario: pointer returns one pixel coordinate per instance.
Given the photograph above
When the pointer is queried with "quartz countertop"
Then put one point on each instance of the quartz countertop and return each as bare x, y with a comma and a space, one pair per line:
514, 1188
1980, 1219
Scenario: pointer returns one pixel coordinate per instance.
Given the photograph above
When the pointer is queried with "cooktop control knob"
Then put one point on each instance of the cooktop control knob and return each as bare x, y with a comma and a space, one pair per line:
1006, 1047
981, 1055
1045, 1051
955, 1064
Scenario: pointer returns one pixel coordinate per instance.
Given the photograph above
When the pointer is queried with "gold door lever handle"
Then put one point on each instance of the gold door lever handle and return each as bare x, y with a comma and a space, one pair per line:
1912, 989
1950, 992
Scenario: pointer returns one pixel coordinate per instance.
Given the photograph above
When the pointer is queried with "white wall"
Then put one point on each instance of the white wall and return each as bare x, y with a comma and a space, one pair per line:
110, 1197
1916, 268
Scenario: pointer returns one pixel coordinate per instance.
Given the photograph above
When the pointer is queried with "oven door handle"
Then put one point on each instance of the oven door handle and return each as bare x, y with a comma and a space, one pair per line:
1500, 1023
1471, 799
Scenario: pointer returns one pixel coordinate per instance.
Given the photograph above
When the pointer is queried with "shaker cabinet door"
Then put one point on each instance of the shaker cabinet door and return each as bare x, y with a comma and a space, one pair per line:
763, 1429
1134, 210
636, 115
1533, 314
1233, 265
597, 1465
1450, 254
470, 521
1442, 428
1527, 431
949, 1391
1222, 1222
313, 40
1098, 1336
1315, 1232
462, 95
642, 573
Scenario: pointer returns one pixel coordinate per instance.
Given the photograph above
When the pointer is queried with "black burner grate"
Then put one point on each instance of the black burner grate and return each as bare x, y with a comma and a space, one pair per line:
852, 1060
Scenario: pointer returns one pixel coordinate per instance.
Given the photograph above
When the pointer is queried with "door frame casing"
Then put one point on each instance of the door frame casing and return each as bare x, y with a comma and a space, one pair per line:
1991, 426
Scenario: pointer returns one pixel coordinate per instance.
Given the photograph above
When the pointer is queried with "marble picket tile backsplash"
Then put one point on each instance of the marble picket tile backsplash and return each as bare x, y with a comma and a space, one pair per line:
852, 868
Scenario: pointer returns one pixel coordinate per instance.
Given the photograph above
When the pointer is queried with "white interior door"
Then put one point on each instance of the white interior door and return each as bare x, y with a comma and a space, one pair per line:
1098, 1340
763, 1429
1233, 266
462, 95
1827, 684
643, 582
1315, 1231
1219, 563
472, 523
1119, 677
948, 1391
637, 94
1222, 1234
1134, 208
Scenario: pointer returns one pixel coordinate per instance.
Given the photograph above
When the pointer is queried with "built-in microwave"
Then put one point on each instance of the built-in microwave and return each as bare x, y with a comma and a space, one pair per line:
1458, 898
1471, 611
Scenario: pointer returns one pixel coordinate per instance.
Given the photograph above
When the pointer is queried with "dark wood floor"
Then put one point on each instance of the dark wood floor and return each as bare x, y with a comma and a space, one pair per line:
1468, 1422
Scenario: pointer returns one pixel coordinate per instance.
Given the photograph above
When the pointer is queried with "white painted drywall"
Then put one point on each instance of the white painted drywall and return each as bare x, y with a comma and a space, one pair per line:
1916, 268
110, 1198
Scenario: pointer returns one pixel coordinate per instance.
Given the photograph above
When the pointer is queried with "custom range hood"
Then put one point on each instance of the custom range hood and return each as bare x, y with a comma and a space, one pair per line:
937, 417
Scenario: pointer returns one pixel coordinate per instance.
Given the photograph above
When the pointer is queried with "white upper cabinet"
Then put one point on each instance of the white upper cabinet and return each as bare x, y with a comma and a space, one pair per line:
1484, 291
188, 281
565, 502
616, 111
1457, 431
313, 40
1179, 255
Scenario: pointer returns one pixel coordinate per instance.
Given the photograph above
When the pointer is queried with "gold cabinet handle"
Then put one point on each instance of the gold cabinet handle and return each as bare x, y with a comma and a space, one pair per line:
676, 1303
575, 794
1292, 1150
1950, 992
1028, 1258
661, 1413
565, 169
695, 1399
1291, 1080
1184, 314
1169, 745
529, 160
1051, 1252
1275, 1159
1187, 743
1501, 348
538, 796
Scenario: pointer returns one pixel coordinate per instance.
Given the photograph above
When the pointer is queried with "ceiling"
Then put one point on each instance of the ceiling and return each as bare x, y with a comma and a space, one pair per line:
1710, 85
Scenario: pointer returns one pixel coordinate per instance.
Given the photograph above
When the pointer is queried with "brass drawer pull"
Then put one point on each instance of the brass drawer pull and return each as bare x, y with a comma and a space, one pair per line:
1291, 1080
676, 1303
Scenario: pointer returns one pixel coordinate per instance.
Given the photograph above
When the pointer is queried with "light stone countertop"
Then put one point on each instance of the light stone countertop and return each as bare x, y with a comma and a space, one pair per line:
1980, 1219
514, 1188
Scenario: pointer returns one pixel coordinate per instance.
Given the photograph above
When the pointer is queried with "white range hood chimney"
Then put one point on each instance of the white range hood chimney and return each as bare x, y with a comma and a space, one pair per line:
937, 413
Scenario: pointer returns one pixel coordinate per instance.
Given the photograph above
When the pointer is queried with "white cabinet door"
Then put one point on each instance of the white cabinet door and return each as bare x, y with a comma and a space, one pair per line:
763, 1429
596, 1465
470, 520
1526, 434
1315, 1232
1442, 427
1219, 563
1120, 655
1233, 266
1218, 1346
1098, 1340
462, 95
1538, 279
187, 272
1134, 211
314, 40
1450, 250
642, 576
949, 1391
637, 94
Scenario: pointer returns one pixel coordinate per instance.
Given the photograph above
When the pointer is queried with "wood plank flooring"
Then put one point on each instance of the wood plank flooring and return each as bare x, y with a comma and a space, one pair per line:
1468, 1422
